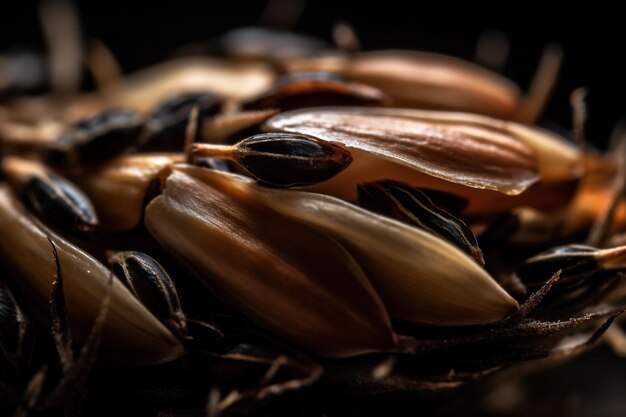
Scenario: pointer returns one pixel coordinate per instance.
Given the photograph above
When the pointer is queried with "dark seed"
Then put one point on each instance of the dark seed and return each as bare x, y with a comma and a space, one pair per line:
577, 263
314, 89
96, 138
60, 202
286, 160
282, 159
412, 206
53, 198
151, 285
165, 127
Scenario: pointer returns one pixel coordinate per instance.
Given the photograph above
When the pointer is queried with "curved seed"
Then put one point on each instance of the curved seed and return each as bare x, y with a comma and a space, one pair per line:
411, 206
423, 80
576, 263
419, 277
96, 138
165, 126
152, 285
312, 89
465, 154
131, 333
282, 160
54, 199
290, 279
118, 188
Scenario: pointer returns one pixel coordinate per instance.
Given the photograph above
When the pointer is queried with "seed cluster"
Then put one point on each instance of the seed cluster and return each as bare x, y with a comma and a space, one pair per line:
260, 230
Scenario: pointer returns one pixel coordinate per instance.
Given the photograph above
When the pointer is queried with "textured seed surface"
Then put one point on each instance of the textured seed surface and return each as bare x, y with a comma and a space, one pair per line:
152, 285
54, 198
283, 160
420, 277
412, 206
575, 262
287, 277
469, 155
131, 333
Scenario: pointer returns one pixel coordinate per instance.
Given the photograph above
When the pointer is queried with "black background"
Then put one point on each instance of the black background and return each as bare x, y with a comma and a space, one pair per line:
142, 33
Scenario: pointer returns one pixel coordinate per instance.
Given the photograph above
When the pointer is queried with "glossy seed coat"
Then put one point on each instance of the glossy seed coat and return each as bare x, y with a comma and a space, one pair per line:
412, 206
55, 199
282, 160
152, 285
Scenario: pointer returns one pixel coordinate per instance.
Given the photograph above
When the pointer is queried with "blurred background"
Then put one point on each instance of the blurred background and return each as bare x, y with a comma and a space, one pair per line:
592, 39
592, 43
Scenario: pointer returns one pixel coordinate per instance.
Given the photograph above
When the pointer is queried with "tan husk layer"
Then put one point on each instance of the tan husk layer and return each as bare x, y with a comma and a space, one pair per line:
418, 276
131, 334
289, 278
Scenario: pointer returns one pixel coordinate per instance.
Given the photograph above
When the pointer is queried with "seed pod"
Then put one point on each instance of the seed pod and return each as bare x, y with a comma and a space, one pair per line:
576, 263
96, 138
52, 197
131, 333
312, 89
444, 151
289, 278
165, 126
13, 326
412, 206
118, 188
282, 160
152, 285
423, 80
419, 277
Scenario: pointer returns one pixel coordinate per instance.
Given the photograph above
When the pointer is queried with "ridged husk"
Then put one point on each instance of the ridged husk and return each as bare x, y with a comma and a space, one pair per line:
292, 280
131, 334
423, 80
118, 188
462, 153
418, 276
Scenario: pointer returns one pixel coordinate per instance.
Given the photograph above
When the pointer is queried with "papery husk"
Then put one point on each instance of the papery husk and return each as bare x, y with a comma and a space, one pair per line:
289, 278
231, 80
423, 80
131, 334
118, 187
513, 156
419, 277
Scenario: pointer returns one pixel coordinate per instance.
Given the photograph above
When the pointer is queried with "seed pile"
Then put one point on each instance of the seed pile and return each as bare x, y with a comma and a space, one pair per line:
260, 232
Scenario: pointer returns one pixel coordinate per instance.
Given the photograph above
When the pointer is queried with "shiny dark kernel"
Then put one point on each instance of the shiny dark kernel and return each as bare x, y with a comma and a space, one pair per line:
577, 264
412, 206
60, 202
151, 285
313, 89
286, 160
165, 127
282, 159
97, 138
